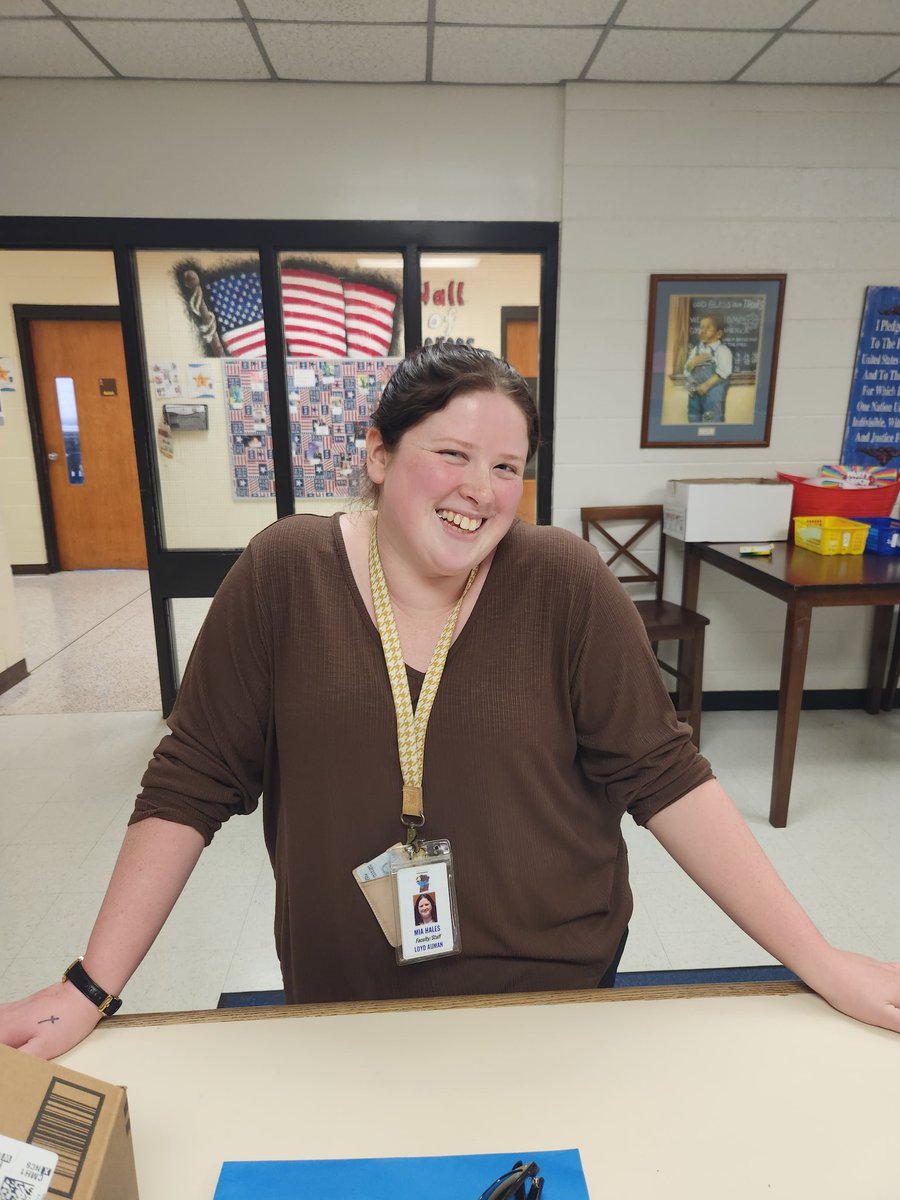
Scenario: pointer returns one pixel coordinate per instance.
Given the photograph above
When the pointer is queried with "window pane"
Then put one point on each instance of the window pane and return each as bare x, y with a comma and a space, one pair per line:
68, 417
343, 329
205, 349
491, 301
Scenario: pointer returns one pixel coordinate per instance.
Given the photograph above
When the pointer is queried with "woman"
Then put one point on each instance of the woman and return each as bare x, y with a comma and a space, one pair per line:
549, 722
425, 909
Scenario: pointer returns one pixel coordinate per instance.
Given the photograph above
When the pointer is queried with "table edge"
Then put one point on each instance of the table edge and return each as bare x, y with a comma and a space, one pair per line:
511, 999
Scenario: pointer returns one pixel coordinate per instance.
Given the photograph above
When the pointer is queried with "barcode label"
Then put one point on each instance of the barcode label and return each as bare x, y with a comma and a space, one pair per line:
25, 1170
65, 1124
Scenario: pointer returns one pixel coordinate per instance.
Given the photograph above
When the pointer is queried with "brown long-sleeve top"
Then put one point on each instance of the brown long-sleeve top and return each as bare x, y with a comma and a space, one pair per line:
550, 722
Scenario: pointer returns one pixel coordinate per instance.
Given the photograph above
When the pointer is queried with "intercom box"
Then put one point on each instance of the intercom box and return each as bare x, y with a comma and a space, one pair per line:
84, 1121
728, 510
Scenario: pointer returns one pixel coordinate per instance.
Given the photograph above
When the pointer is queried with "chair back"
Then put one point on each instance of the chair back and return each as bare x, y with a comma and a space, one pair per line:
648, 517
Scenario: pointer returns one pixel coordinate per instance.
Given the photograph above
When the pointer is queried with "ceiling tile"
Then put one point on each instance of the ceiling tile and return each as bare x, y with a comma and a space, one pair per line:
674, 57
826, 58
177, 49
853, 16
525, 12
335, 11
347, 53
465, 54
46, 49
708, 14
23, 8
135, 9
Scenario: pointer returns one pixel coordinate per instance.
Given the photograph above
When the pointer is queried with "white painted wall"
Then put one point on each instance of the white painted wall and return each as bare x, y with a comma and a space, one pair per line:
670, 178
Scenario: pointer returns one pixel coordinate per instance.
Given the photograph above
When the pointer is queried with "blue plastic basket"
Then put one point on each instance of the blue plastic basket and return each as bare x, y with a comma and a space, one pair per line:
883, 536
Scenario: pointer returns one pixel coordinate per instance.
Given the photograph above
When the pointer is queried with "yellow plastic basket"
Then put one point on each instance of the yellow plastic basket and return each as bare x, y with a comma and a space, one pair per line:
830, 535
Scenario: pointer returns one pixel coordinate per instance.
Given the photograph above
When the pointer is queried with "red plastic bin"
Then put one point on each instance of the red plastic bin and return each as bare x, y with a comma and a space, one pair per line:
810, 501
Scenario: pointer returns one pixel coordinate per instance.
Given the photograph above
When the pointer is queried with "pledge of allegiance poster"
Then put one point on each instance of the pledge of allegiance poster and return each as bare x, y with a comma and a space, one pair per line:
872, 433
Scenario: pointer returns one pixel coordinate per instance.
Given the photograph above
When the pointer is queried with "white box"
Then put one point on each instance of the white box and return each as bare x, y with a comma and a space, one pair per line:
728, 510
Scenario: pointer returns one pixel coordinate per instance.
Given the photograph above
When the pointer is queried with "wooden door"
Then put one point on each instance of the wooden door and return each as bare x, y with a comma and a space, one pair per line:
522, 353
92, 465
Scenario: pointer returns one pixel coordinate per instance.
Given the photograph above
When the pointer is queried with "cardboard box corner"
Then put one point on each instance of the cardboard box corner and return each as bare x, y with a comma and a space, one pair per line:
84, 1120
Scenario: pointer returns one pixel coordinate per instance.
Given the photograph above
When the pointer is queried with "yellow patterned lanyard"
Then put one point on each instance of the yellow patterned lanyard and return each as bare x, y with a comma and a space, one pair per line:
410, 726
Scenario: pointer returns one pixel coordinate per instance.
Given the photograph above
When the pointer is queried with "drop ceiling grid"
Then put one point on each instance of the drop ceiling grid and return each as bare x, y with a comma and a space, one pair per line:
465, 41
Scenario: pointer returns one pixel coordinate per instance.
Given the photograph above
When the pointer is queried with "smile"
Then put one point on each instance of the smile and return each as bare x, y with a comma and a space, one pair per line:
469, 524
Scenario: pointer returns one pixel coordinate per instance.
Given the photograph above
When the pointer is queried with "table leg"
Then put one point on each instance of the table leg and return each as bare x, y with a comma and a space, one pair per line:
878, 655
790, 697
690, 590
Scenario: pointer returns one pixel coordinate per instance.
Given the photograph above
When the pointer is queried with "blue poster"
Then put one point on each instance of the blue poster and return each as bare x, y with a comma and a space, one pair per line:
459, 1177
872, 433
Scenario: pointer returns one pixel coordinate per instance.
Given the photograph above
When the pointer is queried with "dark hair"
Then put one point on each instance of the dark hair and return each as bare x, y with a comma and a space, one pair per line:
429, 378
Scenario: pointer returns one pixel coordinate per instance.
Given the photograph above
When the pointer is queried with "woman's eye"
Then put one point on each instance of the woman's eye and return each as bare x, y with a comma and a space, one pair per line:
508, 468
452, 453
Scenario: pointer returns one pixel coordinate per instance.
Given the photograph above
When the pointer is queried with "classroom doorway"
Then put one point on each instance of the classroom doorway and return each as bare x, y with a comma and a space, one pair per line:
83, 438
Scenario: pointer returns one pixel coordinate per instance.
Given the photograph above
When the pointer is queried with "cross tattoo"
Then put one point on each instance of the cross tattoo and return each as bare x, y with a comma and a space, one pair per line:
52, 1020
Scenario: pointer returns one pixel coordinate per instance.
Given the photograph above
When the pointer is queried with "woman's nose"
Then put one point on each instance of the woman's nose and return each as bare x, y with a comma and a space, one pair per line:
477, 486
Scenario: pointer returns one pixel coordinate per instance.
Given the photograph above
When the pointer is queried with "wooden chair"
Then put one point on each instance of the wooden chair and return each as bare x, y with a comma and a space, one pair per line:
664, 622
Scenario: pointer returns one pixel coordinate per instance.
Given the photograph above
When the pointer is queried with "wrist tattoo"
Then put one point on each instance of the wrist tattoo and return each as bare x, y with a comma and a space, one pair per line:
48, 1020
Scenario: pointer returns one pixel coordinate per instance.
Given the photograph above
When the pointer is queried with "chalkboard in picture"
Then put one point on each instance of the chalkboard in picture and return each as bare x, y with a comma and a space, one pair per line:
712, 353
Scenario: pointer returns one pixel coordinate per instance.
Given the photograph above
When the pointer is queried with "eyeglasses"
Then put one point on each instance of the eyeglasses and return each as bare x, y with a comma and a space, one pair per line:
514, 1185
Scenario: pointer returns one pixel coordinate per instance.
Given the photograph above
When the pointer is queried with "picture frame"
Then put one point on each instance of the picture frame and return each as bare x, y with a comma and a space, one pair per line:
686, 401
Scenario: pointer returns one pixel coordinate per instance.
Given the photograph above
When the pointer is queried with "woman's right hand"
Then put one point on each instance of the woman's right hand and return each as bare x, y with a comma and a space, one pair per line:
48, 1023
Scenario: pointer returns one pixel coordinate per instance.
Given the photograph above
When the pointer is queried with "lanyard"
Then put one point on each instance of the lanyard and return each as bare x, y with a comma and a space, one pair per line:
410, 726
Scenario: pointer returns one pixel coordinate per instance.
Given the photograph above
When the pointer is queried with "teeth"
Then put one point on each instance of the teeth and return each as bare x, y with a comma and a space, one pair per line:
470, 524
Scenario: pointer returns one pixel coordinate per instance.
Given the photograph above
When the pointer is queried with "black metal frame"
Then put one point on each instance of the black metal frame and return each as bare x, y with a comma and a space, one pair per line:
182, 573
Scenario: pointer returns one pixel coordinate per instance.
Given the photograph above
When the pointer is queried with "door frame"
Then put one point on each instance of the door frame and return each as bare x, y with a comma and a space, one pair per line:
24, 314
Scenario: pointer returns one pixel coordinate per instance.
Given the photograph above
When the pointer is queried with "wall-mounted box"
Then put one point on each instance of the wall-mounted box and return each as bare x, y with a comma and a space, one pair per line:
728, 510
183, 417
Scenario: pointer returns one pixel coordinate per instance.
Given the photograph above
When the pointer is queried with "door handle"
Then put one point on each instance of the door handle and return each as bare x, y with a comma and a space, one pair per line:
52, 456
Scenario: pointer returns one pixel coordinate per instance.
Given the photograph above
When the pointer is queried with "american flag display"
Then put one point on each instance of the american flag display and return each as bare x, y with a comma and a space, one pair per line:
325, 316
236, 300
314, 315
370, 320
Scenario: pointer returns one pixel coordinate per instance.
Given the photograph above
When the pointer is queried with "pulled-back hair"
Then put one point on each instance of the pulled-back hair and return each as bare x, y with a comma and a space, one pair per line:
429, 378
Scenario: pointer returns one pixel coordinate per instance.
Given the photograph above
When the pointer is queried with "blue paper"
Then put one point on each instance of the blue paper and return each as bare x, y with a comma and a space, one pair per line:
456, 1177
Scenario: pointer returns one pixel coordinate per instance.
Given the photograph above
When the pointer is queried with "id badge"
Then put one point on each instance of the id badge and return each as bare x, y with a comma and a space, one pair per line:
425, 902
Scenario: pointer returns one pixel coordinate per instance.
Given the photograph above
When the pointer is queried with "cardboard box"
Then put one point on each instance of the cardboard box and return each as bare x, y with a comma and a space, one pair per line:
83, 1120
728, 510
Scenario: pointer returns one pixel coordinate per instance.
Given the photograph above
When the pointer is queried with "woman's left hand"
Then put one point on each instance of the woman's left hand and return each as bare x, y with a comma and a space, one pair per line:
861, 987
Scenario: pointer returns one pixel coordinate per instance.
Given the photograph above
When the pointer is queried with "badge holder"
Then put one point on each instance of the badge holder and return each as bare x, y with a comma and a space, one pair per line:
424, 901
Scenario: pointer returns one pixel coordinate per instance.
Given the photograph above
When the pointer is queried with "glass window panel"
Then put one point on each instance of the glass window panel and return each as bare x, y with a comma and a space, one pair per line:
202, 320
186, 616
343, 331
491, 301
68, 418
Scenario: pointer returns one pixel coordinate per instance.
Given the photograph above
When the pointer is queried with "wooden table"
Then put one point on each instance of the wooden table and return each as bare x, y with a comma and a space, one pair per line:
740, 1091
805, 581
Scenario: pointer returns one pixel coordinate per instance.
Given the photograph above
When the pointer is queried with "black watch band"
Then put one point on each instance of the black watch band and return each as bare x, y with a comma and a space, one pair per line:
78, 977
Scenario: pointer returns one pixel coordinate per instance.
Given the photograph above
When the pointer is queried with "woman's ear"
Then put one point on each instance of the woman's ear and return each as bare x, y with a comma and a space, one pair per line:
377, 455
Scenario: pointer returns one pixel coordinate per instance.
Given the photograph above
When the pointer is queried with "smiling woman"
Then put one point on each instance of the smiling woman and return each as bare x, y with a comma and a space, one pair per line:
518, 654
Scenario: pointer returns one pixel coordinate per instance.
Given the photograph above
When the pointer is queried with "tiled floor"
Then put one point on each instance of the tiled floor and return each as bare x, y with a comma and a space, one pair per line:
75, 736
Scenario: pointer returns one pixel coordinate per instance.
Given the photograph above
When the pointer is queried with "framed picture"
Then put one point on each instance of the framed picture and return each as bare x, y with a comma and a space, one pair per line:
712, 353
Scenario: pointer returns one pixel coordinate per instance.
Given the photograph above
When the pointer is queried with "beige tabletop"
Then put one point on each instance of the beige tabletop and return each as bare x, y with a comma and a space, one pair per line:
740, 1093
